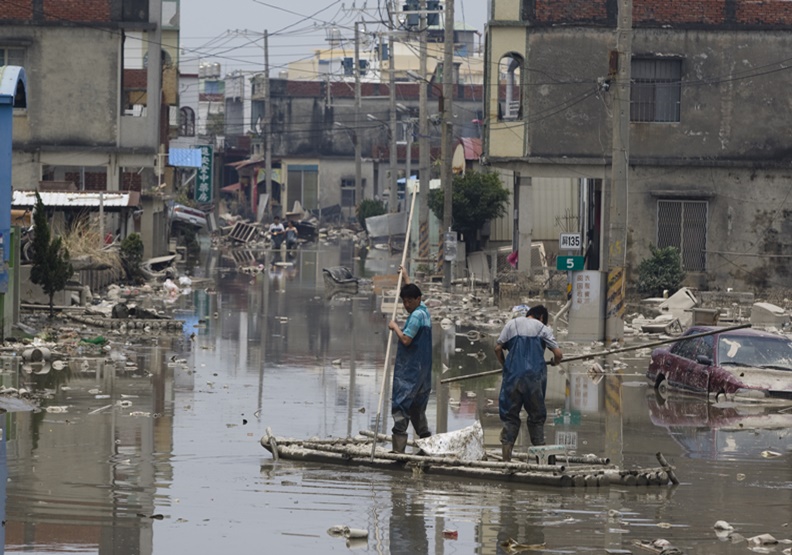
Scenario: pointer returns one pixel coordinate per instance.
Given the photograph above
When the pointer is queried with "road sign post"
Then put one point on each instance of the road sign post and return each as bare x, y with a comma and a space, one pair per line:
569, 263
570, 242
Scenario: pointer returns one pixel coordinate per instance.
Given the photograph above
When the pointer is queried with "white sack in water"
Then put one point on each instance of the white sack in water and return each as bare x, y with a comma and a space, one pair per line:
466, 444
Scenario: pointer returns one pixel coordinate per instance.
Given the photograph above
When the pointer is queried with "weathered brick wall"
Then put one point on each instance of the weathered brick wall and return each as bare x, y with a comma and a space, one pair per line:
77, 10
726, 13
17, 10
57, 10
709, 12
552, 11
772, 12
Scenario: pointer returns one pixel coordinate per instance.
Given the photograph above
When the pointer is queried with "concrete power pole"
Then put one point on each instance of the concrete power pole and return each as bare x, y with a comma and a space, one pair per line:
620, 166
358, 108
423, 143
393, 200
267, 131
448, 130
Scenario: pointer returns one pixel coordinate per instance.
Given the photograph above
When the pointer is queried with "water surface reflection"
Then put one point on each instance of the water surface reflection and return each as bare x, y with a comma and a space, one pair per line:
177, 438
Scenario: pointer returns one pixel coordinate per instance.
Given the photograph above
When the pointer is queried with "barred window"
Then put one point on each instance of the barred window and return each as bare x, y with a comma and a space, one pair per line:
683, 224
656, 89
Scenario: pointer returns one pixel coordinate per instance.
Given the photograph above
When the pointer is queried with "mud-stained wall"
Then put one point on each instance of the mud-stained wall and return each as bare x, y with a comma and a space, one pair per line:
748, 237
65, 108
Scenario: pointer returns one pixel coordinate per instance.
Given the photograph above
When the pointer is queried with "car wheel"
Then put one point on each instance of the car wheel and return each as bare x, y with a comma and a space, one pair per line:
662, 387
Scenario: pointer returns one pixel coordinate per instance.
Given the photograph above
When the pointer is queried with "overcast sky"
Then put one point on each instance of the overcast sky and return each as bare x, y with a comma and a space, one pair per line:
230, 32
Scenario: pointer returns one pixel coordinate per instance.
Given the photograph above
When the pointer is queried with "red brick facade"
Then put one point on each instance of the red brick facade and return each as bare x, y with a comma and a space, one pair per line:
17, 10
77, 10
73, 11
710, 13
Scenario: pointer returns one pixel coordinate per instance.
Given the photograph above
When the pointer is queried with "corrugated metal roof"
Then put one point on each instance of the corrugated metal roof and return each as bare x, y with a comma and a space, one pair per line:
110, 199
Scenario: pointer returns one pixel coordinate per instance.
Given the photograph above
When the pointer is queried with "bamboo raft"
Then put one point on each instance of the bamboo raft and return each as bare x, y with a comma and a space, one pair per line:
568, 472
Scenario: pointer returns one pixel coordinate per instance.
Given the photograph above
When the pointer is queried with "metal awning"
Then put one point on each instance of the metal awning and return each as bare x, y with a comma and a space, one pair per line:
109, 200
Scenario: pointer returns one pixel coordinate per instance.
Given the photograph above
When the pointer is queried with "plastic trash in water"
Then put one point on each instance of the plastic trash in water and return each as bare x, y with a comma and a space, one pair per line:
466, 444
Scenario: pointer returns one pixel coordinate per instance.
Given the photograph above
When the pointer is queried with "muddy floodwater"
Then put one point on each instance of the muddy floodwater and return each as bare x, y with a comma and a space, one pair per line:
158, 452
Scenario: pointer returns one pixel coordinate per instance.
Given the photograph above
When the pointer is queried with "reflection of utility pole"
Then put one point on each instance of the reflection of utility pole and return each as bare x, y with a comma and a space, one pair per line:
393, 200
267, 123
617, 203
423, 144
358, 108
448, 129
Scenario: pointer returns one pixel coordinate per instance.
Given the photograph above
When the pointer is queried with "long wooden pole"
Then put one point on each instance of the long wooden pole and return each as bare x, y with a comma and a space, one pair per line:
393, 317
608, 353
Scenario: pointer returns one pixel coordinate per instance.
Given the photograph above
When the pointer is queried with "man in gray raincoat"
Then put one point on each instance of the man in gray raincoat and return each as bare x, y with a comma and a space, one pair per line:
524, 376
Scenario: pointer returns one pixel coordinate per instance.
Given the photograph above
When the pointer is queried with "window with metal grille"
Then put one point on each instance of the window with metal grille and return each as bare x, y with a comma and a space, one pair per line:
683, 224
656, 89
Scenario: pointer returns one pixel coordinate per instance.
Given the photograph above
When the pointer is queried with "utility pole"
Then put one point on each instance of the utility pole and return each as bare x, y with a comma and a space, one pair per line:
393, 200
448, 130
267, 131
358, 108
423, 143
620, 166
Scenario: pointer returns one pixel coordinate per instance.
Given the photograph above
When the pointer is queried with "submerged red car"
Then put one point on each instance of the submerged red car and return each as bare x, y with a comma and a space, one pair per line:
741, 363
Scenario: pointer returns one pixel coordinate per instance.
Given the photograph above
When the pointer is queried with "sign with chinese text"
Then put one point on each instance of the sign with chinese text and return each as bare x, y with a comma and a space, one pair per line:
203, 181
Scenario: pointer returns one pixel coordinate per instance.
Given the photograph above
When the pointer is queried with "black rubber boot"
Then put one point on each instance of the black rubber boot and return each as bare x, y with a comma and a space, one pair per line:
399, 443
506, 451
537, 434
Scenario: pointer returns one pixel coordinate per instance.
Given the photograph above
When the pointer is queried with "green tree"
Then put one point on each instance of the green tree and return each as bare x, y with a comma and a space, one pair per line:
51, 267
132, 256
662, 270
477, 198
368, 208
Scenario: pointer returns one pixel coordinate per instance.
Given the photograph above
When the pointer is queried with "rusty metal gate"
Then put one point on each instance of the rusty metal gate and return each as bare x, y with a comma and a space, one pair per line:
683, 224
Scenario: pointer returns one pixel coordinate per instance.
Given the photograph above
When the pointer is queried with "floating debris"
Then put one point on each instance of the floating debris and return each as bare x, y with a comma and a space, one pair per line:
762, 539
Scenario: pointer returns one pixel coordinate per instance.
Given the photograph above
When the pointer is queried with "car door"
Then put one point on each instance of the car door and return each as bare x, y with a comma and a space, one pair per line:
683, 371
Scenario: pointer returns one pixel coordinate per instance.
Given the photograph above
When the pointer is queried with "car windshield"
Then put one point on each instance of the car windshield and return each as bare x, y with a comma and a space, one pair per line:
757, 351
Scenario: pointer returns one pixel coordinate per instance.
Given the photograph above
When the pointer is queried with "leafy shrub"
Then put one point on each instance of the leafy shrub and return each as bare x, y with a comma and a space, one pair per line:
662, 270
132, 256
368, 208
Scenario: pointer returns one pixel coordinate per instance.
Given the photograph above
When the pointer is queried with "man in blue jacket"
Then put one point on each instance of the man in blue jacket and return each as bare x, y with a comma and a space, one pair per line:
524, 376
412, 373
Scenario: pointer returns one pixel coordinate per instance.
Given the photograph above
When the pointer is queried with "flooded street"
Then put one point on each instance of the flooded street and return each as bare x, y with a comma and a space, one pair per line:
161, 454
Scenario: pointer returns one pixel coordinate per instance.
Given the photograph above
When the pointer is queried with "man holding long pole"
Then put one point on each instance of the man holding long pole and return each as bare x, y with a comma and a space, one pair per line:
412, 372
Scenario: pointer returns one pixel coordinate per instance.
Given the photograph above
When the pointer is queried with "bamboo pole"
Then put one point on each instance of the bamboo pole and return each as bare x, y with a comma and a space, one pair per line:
608, 353
393, 316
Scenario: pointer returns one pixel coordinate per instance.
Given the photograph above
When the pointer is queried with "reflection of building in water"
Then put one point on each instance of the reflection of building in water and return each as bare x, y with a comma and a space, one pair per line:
62, 494
407, 531
518, 517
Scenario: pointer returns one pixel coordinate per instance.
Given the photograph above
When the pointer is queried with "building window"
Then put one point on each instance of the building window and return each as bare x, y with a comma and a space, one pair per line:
348, 199
303, 185
656, 89
12, 56
187, 122
683, 224
510, 87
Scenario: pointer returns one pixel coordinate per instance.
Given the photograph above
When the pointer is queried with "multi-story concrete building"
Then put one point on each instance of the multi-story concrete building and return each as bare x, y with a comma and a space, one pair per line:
709, 146
102, 77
